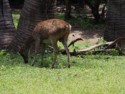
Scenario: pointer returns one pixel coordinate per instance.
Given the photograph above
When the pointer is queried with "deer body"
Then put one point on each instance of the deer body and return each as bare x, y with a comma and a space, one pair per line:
52, 31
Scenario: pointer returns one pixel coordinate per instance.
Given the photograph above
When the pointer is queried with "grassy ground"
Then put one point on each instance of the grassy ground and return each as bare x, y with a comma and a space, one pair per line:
89, 74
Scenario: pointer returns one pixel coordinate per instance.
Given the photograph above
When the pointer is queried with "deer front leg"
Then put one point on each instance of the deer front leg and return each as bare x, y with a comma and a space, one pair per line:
37, 48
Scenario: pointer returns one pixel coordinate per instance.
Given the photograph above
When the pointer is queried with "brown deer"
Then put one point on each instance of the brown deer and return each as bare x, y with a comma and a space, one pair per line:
51, 31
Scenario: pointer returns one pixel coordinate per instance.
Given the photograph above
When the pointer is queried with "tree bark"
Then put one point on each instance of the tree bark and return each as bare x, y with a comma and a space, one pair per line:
68, 9
115, 27
7, 29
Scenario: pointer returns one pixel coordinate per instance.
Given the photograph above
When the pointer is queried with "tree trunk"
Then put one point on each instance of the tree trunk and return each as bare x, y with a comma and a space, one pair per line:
7, 29
68, 9
16, 4
32, 12
115, 20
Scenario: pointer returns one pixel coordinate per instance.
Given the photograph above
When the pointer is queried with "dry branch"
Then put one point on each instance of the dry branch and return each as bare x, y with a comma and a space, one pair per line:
84, 51
87, 50
116, 42
72, 42
106, 47
96, 46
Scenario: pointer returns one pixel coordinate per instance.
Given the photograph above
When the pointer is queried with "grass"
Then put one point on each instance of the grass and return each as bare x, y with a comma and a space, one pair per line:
89, 74
16, 18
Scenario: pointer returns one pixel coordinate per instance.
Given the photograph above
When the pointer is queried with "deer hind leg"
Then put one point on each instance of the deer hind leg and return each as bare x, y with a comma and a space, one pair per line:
43, 47
64, 42
54, 44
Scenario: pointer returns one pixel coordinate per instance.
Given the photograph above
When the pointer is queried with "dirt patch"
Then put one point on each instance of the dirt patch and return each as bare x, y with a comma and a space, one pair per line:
88, 35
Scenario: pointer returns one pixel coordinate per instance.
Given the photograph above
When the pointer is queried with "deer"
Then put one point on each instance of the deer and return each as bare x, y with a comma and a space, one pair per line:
50, 32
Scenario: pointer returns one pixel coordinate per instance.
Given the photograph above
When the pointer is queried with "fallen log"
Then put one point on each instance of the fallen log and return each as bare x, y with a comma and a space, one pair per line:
89, 50
106, 47
96, 46
117, 42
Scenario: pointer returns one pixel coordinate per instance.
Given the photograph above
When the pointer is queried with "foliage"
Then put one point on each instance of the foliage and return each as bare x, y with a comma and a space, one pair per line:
75, 22
82, 23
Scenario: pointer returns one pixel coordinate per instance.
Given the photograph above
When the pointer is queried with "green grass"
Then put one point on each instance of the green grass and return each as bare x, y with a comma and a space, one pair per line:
16, 17
89, 74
